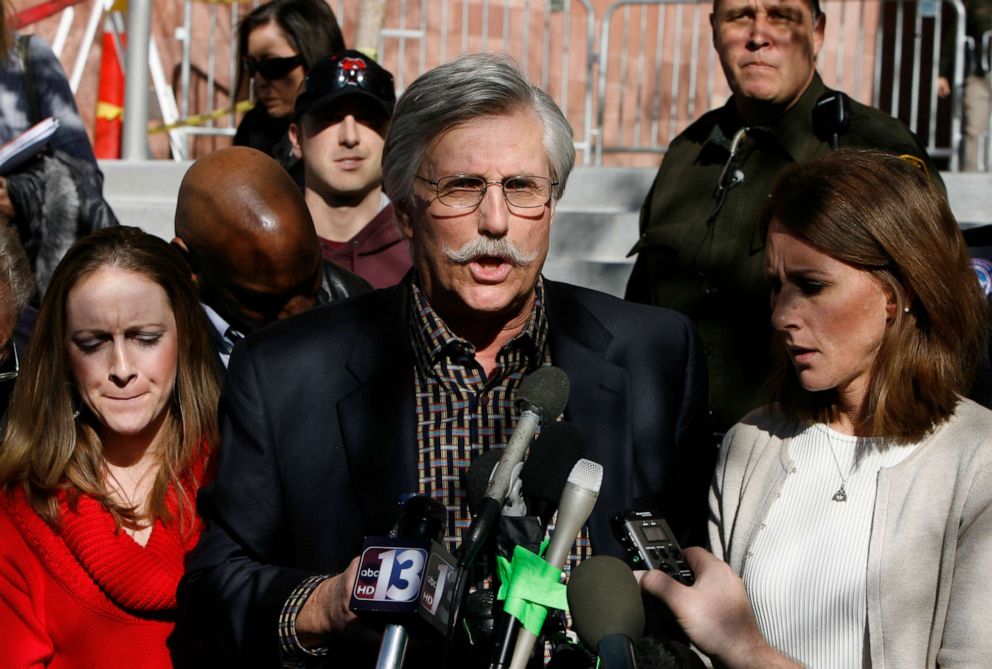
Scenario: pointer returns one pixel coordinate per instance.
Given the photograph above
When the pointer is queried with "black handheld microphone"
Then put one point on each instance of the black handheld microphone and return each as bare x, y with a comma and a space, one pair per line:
392, 573
577, 501
477, 608
545, 473
607, 611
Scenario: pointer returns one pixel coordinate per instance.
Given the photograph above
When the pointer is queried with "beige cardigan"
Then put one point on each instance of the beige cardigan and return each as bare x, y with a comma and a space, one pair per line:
930, 553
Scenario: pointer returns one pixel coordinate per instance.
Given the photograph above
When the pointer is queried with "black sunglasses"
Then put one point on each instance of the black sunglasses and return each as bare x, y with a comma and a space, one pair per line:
272, 69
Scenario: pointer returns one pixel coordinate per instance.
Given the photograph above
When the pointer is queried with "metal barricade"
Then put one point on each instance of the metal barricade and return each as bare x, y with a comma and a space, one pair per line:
552, 40
660, 78
629, 79
981, 55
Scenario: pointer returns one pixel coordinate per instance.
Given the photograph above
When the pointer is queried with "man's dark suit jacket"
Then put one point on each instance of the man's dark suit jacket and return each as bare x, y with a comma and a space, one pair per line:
318, 424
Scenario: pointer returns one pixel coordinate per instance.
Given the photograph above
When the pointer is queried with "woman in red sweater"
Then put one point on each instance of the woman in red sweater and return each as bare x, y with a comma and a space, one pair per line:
104, 449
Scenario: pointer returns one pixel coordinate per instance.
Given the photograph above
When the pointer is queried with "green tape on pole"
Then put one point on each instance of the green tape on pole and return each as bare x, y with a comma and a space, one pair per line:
530, 586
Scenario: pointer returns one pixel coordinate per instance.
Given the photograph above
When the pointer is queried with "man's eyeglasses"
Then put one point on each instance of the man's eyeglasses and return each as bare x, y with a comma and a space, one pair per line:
10, 375
466, 191
272, 69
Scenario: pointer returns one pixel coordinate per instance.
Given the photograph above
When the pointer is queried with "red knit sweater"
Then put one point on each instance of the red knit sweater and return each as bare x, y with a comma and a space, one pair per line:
85, 595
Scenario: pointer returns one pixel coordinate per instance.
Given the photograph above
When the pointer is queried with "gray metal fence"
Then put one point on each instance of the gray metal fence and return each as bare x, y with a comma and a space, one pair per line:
629, 75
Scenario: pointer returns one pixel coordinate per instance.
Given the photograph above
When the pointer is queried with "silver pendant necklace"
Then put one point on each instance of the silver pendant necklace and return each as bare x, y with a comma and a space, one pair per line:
841, 494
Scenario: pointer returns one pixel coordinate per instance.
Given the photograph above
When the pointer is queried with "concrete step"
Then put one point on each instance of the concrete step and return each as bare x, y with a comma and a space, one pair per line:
606, 234
607, 276
596, 221
144, 193
621, 188
970, 195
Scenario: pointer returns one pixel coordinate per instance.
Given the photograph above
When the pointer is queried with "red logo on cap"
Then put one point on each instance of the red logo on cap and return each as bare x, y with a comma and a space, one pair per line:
352, 64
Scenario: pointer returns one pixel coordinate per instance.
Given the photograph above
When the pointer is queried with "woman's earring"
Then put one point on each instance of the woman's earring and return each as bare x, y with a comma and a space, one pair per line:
74, 399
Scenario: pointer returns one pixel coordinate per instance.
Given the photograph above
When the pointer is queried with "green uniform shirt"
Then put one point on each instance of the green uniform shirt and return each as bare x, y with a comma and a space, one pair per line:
701, 251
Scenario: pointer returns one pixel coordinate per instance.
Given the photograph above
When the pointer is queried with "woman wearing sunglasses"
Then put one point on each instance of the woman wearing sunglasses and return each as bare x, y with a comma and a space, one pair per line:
279, 42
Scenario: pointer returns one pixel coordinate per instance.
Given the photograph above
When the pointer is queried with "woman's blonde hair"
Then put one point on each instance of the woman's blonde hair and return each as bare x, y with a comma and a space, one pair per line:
882, 214
48, 447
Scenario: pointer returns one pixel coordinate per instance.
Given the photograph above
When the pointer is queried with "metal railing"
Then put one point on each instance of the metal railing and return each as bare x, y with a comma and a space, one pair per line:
636, 93
981, 56
662, 75
916, 35
552, 40
629, 75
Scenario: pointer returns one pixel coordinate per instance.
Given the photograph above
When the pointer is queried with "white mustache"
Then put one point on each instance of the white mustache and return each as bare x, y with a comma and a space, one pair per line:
488, 246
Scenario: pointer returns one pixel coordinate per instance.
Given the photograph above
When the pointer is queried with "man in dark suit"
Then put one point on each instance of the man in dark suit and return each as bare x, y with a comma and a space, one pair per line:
329, 417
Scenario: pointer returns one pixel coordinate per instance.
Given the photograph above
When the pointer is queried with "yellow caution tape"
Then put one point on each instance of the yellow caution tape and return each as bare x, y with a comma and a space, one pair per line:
108, 112
200, 119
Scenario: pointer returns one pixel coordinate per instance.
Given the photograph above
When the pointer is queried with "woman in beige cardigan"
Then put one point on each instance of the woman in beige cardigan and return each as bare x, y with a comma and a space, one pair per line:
855, 515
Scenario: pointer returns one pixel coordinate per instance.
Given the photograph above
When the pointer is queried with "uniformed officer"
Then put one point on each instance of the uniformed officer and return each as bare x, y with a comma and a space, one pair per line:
700, 250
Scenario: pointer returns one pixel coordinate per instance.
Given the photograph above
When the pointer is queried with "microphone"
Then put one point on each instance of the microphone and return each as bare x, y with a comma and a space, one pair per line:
392, 573
544, 475
541, 397
477, 477
577, 501
481, 473
555, 452
570, 656
607, 611
477, 608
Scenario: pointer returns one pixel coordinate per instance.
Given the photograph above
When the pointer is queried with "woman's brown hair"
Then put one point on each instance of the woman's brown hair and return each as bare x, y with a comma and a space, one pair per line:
49, 447
882, 214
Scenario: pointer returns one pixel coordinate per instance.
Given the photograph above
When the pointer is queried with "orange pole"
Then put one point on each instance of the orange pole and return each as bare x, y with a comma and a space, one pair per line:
110, 102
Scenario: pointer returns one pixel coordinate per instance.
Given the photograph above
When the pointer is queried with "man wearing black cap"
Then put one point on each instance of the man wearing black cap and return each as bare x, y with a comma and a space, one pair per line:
341, 118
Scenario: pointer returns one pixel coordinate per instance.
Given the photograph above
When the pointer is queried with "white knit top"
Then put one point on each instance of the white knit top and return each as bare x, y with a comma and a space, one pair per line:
805, 571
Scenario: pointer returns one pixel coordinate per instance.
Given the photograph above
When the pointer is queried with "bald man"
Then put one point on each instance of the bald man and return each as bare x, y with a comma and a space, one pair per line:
247, 234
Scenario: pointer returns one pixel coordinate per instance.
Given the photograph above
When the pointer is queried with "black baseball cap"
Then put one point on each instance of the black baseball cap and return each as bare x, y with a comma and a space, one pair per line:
345, 73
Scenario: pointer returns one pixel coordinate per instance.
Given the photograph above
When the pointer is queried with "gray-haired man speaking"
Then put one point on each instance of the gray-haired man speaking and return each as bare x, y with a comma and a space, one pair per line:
329, 418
